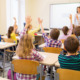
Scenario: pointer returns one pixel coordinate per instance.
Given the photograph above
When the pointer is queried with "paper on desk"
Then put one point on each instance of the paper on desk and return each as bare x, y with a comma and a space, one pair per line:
2, 43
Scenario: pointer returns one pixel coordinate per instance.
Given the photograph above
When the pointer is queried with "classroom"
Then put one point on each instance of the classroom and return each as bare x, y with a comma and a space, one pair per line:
39, 39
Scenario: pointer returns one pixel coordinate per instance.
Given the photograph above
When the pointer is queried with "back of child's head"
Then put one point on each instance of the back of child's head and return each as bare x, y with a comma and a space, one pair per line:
77, 30
54, 34
10, 30
71, 44
29, 28
65, 30
25, 46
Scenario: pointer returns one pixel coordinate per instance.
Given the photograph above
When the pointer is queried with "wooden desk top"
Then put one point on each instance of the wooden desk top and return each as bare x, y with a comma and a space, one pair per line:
4, 45
49, 58
57, 64
3, 78
43, 45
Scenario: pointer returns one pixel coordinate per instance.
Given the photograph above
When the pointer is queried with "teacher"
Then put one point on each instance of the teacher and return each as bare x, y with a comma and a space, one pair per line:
77, 17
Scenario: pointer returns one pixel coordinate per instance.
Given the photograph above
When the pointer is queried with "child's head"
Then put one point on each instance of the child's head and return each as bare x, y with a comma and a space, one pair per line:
71, 44
54, 34
78, 9
25, 46
10, 30
65, 30
77, 30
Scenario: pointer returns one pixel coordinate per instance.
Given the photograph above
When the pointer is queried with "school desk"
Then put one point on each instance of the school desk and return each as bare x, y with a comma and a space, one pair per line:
4, 46
49, 60
17, 37
43, 45
57, 64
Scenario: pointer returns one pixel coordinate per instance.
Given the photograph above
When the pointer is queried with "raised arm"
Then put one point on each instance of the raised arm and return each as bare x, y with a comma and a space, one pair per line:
40, 22
28, 20
15, 21
71, 26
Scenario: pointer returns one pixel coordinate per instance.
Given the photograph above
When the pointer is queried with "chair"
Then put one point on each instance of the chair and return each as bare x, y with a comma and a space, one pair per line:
52, 50
62, 40
24, 67
8, 40
66, 74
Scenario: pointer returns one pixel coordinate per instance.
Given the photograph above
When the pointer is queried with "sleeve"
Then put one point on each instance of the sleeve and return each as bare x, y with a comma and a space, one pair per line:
23, 32
36, 30
45, 36
60, 44
70, 31
37, 56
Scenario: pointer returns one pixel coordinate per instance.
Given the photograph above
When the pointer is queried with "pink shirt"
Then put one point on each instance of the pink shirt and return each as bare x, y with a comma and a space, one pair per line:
63, 36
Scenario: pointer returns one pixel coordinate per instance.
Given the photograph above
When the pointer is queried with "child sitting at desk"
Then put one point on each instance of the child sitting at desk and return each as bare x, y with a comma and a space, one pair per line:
71, 60
26, 51
28, 27
11, 33
53, 40
66, 31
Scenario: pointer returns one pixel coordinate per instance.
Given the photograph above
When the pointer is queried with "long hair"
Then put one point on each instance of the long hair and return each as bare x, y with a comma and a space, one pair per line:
10, 30
28, 28
25, 46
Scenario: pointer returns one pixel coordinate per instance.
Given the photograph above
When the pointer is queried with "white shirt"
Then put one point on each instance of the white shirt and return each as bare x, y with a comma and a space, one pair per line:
77, 22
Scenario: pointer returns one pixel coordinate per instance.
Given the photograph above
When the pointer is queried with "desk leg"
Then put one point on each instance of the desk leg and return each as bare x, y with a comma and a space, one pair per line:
4, 63
41, 71
51, 72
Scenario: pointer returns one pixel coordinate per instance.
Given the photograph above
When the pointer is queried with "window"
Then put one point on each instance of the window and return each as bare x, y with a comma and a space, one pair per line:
15, 8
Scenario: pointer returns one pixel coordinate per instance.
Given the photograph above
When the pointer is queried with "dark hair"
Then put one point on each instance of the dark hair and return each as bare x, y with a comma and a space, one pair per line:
54, 34
10, 30
28, 28
77, 30
77, 8
71, 44
65, 30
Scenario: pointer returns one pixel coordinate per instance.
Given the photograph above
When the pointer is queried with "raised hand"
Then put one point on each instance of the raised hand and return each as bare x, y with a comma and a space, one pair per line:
70, 17
28, 19
14, 18
40, 21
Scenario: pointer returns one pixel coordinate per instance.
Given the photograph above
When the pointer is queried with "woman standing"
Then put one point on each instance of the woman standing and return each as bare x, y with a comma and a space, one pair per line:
77, 17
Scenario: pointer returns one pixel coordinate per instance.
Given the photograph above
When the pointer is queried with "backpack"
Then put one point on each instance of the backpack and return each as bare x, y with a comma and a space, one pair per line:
9, 75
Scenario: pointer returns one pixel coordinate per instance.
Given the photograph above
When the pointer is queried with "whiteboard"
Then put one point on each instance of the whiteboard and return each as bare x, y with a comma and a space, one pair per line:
59, 14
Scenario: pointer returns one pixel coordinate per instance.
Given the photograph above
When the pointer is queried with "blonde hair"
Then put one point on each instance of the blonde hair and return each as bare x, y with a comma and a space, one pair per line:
25, 46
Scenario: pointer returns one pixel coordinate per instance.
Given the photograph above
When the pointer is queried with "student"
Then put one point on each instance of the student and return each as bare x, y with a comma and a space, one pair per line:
71, 60
77, 17
11, 33
28, 27
53, 40
26, 51
66, 31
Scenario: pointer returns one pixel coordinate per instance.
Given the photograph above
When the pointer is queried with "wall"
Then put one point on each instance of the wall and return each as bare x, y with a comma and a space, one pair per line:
40, 8
3, 26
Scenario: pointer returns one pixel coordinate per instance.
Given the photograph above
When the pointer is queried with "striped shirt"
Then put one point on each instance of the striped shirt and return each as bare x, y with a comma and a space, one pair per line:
50, 42
34, 56
69, 62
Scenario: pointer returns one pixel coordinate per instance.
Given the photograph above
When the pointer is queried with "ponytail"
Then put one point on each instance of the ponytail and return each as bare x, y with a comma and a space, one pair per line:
10, 30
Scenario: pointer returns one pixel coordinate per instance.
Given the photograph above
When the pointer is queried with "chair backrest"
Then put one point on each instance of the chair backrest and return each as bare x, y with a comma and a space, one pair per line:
52, 50
8, 40
62, 40
25, 66
66, 74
